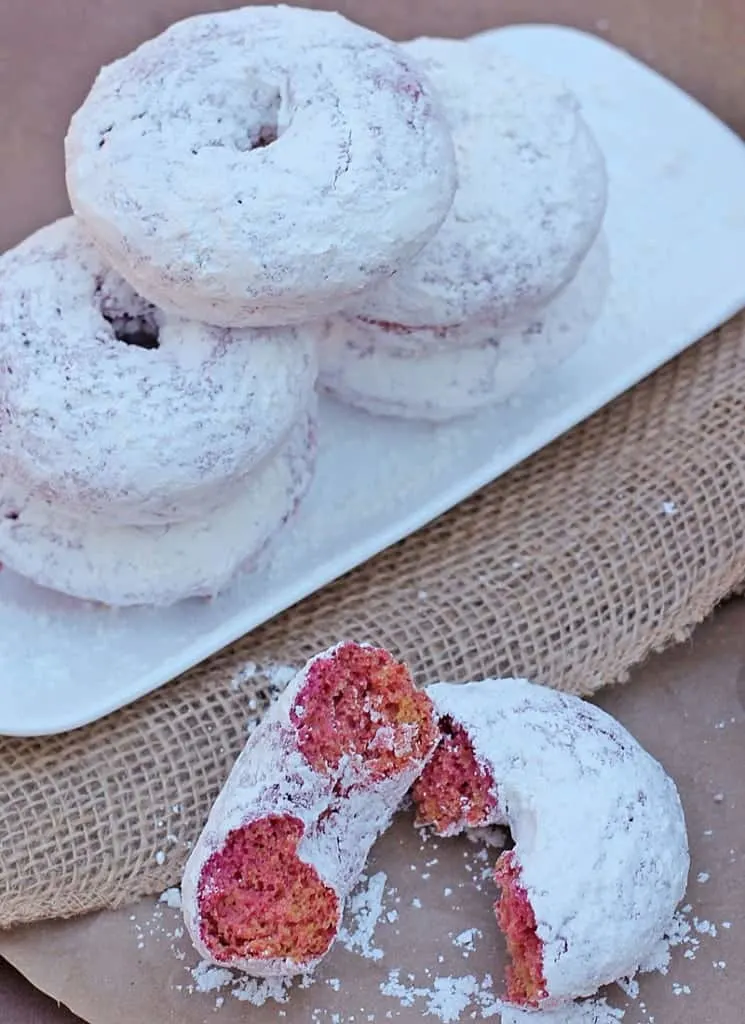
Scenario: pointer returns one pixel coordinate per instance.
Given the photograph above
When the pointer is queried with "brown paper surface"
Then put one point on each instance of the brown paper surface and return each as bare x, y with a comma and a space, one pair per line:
49, 53
686, 706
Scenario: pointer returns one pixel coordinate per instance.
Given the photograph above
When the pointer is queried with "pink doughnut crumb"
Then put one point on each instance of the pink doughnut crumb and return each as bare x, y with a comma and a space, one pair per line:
526, 985
455, 791
259, 899
339, 712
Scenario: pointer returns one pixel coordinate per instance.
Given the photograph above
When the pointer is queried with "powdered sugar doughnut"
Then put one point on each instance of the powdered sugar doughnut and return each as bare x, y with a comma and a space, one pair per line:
113, 408
260, 166
530, 200
288, 836
155, 565
600, 861
441, 375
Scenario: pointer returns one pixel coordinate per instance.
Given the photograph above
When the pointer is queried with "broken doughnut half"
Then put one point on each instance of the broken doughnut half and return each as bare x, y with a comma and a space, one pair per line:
289, 834
600, 859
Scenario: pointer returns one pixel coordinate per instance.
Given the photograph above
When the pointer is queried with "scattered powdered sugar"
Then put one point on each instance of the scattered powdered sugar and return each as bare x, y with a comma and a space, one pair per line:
629, 986
447, 997
451, 996
466, 940
275, 675
365, 909
264, 683
705, 927
256, 991
493, 836
209, 979
171, 898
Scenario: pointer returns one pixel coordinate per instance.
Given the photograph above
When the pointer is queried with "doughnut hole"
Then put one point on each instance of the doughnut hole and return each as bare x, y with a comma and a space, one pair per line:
135, 330
526, 984
257, 899
131, 319
360, 705
244, 119
454, 791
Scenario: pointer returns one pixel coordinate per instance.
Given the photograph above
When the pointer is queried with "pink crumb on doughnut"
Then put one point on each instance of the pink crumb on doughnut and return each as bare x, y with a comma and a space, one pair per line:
258, 899
339, 711
526, 985
455, 791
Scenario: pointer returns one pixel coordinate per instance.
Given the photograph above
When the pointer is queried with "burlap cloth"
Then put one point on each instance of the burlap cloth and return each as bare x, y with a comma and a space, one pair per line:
613, 542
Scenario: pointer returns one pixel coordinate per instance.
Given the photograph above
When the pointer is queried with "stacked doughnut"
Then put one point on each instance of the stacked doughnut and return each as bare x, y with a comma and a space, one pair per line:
517, 273
265, 199
231, 179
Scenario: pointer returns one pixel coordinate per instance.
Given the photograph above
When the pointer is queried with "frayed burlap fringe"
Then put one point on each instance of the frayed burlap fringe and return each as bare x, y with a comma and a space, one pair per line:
613, 542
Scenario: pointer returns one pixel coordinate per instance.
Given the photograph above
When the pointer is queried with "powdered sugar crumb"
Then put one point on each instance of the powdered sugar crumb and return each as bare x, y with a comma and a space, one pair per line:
447, 998
208, 978
705, 927
630, 986
257, 991
365, 909
171, 898
264, 683
467, 939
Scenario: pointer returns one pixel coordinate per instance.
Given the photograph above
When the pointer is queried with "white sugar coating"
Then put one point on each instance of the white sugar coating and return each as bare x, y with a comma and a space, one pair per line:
530, 200
272, 777
260, 166
132, 435
156, 565
389, 374
600, 836
590, 1011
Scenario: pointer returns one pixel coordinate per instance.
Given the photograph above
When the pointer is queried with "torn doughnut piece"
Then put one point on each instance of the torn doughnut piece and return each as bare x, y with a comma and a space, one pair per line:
288, 836
261, 900
600, 860
456, 790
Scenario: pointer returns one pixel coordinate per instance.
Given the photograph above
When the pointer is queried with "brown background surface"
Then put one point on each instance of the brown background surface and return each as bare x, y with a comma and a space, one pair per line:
49, 53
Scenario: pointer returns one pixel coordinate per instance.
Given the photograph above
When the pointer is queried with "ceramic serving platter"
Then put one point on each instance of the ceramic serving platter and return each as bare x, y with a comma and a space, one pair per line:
676, 232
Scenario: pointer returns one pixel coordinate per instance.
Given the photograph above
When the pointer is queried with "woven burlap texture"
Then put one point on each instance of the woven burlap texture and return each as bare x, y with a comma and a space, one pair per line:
609, 544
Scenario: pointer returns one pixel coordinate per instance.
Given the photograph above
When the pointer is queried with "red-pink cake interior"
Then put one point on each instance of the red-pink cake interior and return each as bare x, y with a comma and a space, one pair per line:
360, 703
526, 984
454, 791
258, 899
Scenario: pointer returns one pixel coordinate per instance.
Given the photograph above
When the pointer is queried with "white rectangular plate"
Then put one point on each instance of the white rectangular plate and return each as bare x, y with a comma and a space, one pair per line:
676, 229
